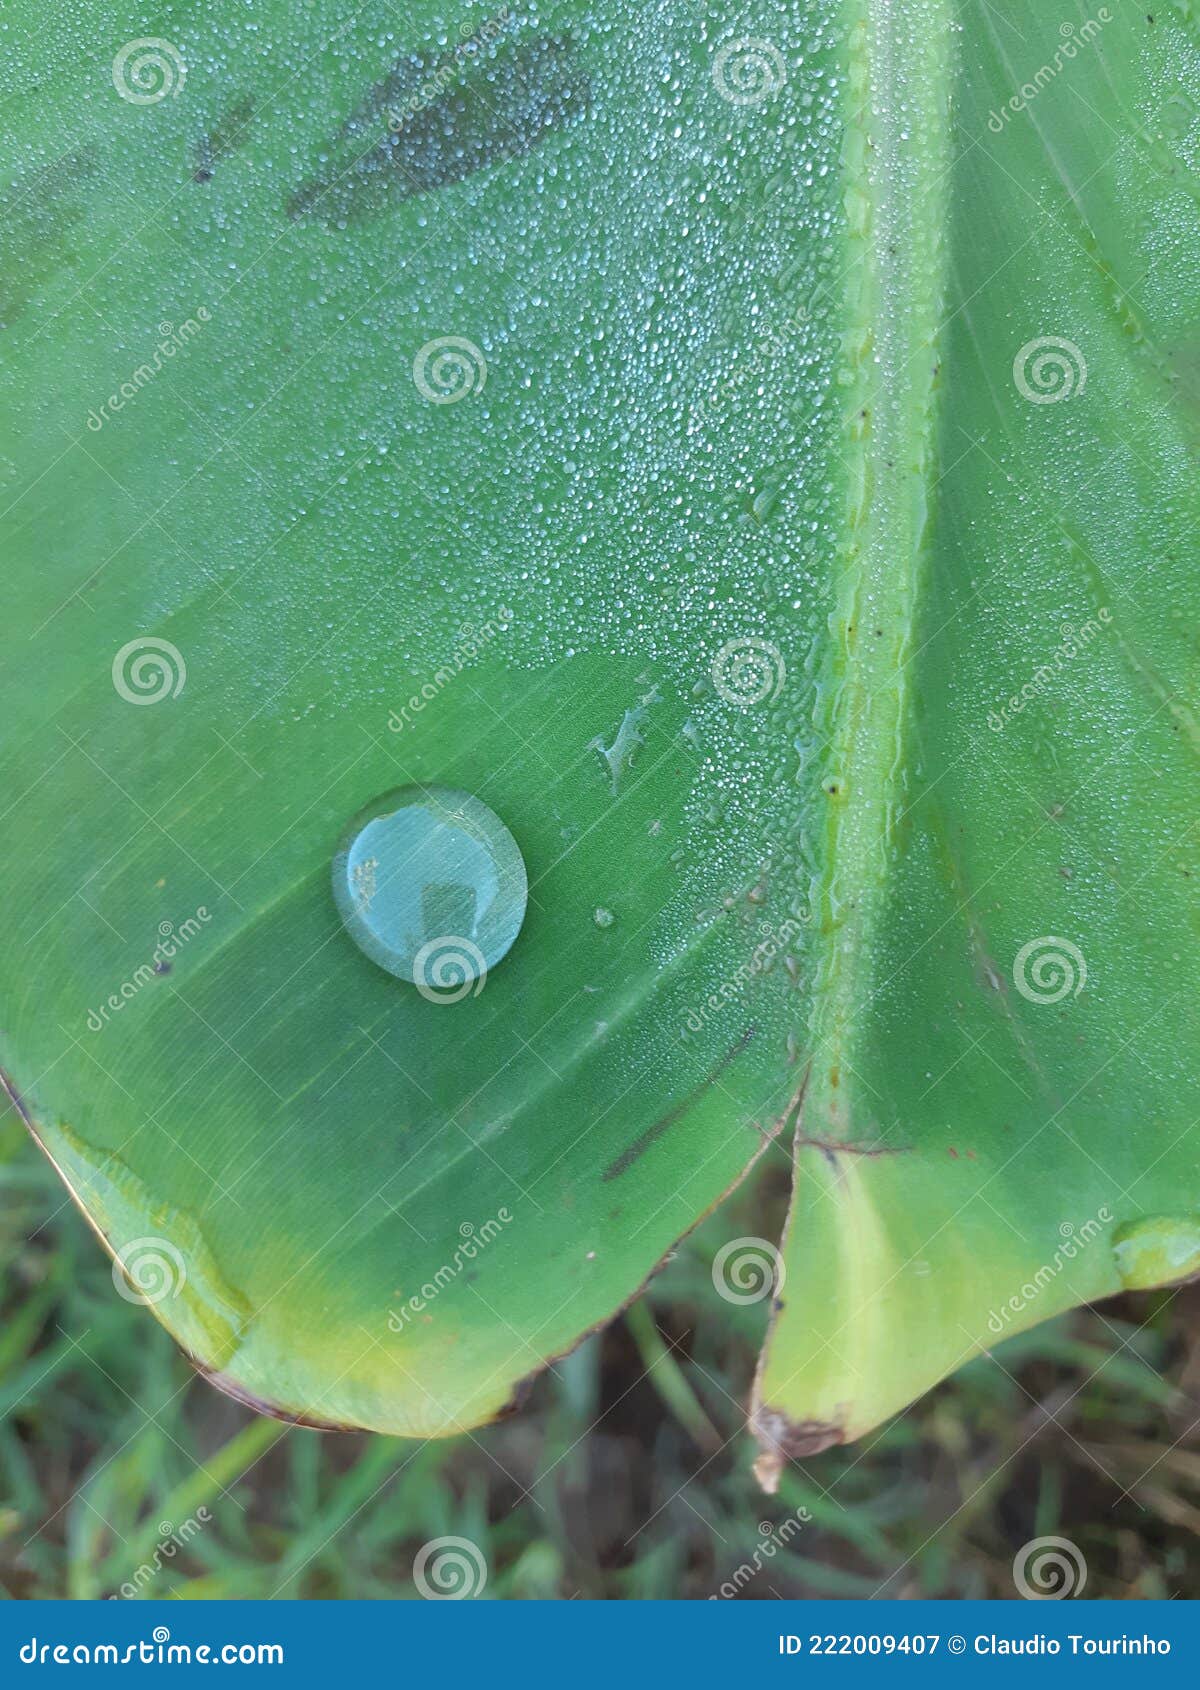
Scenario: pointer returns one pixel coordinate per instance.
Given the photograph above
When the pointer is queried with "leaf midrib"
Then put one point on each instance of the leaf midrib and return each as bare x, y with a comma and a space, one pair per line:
895, 165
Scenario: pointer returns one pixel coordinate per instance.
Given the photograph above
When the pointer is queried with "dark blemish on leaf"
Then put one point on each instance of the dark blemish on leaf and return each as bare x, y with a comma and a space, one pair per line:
652, 1133
832, 1148
439, 118
17, 1101
518, 1397
782, 1439
36, 213
274, 1411
229, 134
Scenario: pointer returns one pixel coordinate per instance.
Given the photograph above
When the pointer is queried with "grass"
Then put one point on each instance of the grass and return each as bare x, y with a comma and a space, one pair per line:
627, 1475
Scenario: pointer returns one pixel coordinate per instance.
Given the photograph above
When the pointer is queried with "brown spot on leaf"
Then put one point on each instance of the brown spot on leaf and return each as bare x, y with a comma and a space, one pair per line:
782, 1439
37, 213
228, 134
439, 118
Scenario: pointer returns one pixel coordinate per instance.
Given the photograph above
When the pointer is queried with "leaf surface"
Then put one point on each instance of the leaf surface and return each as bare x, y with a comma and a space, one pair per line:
623, 419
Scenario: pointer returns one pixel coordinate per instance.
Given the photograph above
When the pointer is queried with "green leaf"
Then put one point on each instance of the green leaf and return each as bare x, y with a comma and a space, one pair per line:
998, 1122
639, 425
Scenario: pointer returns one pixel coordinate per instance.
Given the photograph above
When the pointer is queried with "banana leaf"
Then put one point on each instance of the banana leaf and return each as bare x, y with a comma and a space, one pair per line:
749, 454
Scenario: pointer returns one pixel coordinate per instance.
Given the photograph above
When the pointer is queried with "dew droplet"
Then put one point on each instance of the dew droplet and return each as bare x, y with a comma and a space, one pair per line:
431, 885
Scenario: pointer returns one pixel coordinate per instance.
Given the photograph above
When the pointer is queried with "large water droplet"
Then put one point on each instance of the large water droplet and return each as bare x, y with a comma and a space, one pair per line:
1157, 1250
431, 885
